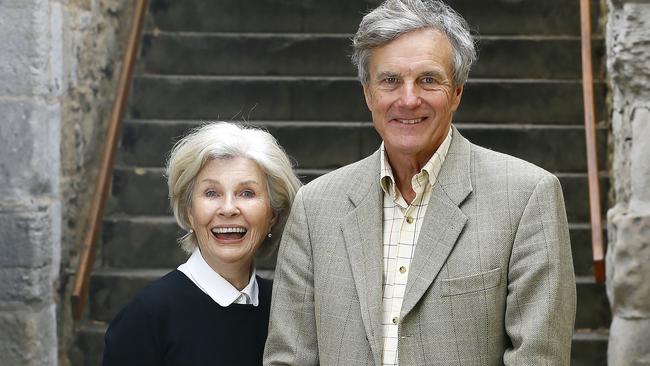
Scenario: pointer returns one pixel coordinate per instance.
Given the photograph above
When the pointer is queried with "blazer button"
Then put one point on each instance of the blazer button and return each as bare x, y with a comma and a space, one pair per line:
409, 219
395, 320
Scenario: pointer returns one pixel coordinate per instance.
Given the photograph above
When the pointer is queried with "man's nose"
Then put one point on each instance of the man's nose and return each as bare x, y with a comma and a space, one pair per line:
410, 96
228, 207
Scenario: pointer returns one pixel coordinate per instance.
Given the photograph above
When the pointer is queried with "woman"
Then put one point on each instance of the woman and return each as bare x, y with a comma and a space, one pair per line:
231, 189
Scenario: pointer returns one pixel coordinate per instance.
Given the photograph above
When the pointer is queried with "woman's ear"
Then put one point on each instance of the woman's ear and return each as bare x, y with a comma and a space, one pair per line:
190, 218
274, 219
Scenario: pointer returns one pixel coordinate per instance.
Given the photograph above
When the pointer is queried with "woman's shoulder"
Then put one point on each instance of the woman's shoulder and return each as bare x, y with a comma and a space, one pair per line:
139, 330
160, 295
165, 289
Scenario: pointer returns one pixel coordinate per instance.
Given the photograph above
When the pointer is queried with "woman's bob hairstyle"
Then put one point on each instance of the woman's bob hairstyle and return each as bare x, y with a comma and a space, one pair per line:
223, 140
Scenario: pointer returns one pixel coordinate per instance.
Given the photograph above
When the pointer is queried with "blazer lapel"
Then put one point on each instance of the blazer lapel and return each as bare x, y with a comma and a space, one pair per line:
443, 221
362, 232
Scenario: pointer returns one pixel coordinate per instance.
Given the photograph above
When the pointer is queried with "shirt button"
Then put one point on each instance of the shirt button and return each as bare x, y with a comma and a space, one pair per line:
409, 219
395, 320
402, 269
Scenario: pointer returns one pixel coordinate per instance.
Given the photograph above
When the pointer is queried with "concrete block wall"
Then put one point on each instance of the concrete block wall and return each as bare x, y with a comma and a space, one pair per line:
30, 212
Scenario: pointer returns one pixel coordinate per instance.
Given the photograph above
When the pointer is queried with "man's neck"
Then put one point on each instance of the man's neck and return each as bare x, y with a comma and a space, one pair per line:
404, 167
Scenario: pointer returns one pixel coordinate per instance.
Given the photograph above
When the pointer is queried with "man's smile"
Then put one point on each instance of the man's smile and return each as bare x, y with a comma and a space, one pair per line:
409, 121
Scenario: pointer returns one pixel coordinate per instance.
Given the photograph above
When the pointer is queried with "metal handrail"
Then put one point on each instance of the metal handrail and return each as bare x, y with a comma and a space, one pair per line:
590, 136
102, 184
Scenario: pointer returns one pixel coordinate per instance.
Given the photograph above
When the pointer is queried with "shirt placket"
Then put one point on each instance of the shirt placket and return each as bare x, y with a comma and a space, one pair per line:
399, 270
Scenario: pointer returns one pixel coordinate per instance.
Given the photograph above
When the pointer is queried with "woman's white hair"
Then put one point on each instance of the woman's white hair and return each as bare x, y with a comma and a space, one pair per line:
223, 140
396, 17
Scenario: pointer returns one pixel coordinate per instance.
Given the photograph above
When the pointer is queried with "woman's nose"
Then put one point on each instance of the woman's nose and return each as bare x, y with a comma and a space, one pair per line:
228, 207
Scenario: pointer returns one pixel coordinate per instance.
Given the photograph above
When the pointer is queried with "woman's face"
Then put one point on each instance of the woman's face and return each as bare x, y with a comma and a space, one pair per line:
230, 212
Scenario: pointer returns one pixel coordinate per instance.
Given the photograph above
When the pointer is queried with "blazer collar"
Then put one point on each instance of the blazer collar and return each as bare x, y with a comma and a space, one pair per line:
362, 232
455, 174
443, 222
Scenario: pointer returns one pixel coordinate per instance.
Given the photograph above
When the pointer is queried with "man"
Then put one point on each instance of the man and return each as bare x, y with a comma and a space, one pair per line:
431, 251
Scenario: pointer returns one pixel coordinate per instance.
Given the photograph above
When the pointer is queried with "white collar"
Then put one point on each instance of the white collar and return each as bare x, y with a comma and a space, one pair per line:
432, 167
215, 286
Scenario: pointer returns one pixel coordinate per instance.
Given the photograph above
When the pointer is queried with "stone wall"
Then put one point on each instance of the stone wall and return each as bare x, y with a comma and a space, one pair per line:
628, 256
59, 61
93, 42
30, 200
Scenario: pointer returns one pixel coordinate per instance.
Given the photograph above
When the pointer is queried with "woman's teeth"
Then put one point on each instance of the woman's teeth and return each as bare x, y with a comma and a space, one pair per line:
226, 230
229, 233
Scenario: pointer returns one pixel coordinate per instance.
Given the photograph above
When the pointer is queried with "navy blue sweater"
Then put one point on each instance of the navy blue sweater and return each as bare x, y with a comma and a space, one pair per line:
173, 322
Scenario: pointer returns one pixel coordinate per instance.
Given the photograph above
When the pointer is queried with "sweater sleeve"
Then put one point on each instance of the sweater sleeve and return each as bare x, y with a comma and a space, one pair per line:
131, 338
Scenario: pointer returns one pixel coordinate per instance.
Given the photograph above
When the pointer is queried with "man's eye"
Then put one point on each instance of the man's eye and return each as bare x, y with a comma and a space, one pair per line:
428, 80
390, 80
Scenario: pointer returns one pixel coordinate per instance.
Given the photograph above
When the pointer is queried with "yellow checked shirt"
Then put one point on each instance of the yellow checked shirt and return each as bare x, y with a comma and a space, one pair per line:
401, 227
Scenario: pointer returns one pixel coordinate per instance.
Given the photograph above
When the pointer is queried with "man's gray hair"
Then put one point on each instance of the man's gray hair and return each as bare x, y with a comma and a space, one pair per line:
396, 17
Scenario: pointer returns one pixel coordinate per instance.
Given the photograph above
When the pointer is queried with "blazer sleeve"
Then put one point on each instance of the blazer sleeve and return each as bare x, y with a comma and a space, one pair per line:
541, 300
292, 325
130, 339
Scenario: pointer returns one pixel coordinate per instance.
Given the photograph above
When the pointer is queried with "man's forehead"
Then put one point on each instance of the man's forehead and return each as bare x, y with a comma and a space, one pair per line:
419, 50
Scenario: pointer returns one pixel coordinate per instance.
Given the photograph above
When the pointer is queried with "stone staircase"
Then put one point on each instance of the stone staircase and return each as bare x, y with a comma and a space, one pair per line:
284, 65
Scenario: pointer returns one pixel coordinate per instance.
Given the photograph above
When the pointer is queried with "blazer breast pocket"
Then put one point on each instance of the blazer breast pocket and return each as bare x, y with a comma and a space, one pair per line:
468, 284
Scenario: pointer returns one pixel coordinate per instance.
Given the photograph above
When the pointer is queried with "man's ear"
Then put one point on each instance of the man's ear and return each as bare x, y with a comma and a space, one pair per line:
368, 95
458, 93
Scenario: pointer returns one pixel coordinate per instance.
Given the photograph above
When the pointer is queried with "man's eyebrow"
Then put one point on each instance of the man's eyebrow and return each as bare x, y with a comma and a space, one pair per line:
387, 74
433, 73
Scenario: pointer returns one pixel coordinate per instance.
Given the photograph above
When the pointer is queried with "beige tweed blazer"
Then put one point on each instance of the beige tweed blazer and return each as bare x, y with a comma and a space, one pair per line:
491, 280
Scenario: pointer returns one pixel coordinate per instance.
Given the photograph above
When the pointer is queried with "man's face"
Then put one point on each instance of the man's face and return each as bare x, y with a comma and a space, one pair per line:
411, 95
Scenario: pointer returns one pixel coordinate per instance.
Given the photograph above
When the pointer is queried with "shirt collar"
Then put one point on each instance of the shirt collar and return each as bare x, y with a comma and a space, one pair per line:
215, 286
432, 167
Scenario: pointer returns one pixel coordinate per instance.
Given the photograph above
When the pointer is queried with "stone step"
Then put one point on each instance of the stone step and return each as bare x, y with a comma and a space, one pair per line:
89, 344
589, 348
111, 289
341, 99
327, 55
130, 197
593, 310
150, 242
331, 145
556, 17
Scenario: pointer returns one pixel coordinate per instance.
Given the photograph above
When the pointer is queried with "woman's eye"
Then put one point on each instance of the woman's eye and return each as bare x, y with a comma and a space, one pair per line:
248, 193
210, 193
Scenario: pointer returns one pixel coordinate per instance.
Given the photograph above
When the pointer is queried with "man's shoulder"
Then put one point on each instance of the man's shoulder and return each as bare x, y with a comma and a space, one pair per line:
493, 165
